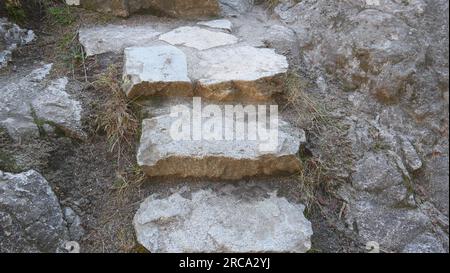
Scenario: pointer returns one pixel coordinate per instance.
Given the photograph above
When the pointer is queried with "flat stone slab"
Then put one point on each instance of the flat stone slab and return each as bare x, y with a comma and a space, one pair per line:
239, 73
227, 73
214, 153
198, 38
156, 70
222, 221
115, 38
223, 24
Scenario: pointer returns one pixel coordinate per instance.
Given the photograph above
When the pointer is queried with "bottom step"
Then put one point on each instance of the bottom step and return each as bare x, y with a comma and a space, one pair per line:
231, 219
206, 149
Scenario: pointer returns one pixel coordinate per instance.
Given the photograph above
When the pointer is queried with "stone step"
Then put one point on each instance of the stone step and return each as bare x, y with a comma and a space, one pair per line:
229, 219
205, 149
203, 59
236, 72
173, 8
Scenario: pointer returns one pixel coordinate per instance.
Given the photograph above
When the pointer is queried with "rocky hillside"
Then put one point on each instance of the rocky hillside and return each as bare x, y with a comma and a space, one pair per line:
353, 155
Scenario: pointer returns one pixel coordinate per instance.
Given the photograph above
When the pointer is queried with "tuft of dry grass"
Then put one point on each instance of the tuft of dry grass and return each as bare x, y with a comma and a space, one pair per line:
328, 156
116, 118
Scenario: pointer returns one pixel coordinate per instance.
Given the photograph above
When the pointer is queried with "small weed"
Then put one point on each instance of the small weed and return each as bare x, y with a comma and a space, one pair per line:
61, 15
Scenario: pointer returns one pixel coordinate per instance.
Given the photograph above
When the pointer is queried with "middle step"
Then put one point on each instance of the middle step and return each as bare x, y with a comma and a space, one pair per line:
191, 138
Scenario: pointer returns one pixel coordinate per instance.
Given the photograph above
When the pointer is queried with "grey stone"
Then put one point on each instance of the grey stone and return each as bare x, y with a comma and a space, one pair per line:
28, 103
223, 221
224, 73
437, 174
76, 231
223, 24
156, 70
115, 38
198, 38
424, 243
412, 158
239, 73
11, 37
213, 154
30, 216
239, 6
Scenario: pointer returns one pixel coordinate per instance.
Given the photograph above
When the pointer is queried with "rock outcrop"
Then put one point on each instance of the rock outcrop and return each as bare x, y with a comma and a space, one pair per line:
31, 219
11, 37
30, 105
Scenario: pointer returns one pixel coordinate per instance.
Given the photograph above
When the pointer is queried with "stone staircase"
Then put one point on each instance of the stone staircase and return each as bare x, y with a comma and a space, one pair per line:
203, 68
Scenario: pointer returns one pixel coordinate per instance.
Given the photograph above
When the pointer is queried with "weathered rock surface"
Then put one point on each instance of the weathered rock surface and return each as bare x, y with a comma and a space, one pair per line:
224, 73
391, 58
29, 106
223, 24
76, 231
383, 208
198, 38
235, 6
239, 73
229, 220
30, 215
160, 70
115, 38
175, 8
214, 153
11, 37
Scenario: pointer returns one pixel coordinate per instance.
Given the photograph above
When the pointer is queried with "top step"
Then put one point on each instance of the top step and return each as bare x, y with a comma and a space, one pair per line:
173, 8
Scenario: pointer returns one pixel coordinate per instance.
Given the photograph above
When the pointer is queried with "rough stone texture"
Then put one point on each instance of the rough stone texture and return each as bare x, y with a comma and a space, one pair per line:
224, 73
437, 175
384, 210
384, 65
175, 8
161, 155
30, 216
11, 37
241, 72
198, 38
223, 24
76, 231
29, 106
235, 6
115, 38
156, 70
223, 221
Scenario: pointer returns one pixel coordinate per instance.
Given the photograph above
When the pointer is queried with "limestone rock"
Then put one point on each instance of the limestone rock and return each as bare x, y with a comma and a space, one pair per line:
224, 73
223, 24
156, 70
28, 105
76, 231
30, 216
237, 6
115, 38
213, 154
11, 37
222, 221
198, 38
239, 73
